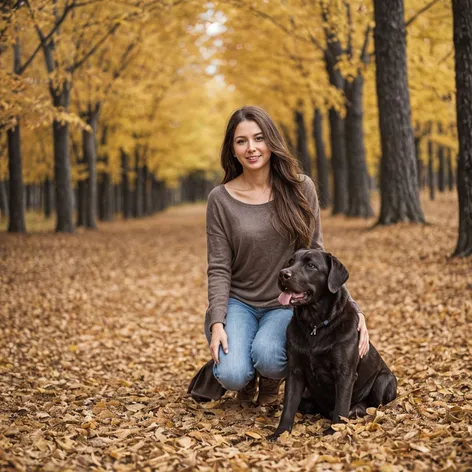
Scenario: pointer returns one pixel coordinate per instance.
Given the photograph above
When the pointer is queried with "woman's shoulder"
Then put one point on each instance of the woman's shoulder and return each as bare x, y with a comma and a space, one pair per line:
216, 194
305, 181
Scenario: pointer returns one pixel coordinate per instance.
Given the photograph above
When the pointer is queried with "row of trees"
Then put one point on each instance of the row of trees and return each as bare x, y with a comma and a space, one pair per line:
139, 94
353, 72
110, 79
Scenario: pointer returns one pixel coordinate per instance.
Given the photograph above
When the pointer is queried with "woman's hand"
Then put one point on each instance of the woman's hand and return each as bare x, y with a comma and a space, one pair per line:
364, 335
218, 336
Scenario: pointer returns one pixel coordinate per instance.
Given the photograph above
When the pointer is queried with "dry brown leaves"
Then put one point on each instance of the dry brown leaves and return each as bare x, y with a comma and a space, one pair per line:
102, 331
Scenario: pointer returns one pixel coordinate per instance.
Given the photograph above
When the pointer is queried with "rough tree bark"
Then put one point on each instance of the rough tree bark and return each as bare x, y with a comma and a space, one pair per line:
431, 174
89, 147
3, 200
16, 223
441, 163
126, 192
48, 194
337, 133
359, 196
450, 171
398, 179
322, 166
16, 198
62, 170
462, 21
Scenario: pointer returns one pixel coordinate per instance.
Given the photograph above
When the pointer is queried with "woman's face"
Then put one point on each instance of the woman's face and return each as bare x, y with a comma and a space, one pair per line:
249, 146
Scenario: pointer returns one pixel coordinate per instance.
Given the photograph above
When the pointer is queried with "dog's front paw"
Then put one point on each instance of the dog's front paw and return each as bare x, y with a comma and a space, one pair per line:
275, 435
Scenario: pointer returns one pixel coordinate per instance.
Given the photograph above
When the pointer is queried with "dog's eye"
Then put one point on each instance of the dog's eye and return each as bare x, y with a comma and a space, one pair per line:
290, 262
311, 266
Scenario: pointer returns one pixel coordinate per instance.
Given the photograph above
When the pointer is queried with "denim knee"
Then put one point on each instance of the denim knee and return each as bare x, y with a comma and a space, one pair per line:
231, 377
270, 360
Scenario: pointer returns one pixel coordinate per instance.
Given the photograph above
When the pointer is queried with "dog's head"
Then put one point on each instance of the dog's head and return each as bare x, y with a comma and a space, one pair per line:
308, 275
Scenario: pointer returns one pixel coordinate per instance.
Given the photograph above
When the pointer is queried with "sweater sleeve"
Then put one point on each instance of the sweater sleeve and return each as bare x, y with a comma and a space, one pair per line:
219, 263
317, 238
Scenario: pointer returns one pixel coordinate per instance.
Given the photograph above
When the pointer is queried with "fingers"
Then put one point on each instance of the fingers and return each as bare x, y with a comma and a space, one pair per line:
363, 346
214, 348
364, 336
216, 340
224, 344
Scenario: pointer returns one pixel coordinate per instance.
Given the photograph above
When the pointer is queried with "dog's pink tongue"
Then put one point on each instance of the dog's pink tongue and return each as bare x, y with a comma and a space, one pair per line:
284, 298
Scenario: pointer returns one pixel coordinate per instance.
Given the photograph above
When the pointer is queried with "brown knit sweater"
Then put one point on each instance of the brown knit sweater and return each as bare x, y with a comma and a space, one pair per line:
245, 251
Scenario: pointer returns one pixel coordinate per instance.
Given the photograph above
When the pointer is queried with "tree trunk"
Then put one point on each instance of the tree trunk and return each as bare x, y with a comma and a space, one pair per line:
138, 187
288, 139
359, 196
125, 184
336, 122
82, 192
442, 164
450, 171
462, 21
147, 191
398, 180
302, 143
48, 194
16, 205
3, 200
16, 196
117, 198
89, 147
431, 175
106, 198
419, 162
322, 168
62, 170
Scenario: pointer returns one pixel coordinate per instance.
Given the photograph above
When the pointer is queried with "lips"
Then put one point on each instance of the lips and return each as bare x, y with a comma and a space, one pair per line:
253, 158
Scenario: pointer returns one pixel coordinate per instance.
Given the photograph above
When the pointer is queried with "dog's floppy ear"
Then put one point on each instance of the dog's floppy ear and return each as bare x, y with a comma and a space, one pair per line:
338, 274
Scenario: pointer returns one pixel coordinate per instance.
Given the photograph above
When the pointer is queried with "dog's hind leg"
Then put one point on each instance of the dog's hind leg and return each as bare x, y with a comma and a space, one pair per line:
384, 389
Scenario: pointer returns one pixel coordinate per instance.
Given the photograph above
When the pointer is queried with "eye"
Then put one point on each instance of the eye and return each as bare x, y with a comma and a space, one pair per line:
260, 138
290, 262
240, 141
311, 266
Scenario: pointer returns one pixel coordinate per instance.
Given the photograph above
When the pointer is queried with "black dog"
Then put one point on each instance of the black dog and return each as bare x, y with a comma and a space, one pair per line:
322, 345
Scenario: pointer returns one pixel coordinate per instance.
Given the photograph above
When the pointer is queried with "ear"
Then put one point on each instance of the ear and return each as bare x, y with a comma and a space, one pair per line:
338, 274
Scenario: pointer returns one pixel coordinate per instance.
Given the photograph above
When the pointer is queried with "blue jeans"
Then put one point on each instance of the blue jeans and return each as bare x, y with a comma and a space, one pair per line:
256, 342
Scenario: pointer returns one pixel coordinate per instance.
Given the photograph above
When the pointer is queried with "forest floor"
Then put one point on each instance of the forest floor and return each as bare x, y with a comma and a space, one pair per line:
101, 332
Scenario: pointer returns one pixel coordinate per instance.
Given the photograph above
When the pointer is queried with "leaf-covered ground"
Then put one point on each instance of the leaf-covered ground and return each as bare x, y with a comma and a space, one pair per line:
100, 333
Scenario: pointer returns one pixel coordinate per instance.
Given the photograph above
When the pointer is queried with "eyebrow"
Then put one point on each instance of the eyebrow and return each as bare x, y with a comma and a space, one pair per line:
236, 137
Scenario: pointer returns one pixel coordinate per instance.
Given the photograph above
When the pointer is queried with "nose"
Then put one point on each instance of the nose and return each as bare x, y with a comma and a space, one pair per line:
251, 146
286, 274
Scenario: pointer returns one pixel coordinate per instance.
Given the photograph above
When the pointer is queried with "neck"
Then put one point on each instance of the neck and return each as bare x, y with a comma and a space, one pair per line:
258, 179
321, 309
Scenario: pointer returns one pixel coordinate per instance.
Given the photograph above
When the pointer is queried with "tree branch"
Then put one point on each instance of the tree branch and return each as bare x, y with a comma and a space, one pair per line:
42, 38
364, 56
92, 50
419, 12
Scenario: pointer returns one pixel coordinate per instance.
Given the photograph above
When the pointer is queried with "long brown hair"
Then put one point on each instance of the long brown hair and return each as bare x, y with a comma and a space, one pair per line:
292, 209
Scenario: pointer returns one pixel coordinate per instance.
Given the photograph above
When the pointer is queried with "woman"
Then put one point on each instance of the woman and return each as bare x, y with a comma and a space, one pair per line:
262, 212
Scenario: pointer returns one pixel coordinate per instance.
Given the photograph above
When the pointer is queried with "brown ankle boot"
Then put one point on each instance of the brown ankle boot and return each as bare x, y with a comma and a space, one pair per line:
247, 393
268, 391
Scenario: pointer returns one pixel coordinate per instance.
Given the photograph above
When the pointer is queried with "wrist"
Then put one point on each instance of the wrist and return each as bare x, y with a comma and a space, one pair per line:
216, 326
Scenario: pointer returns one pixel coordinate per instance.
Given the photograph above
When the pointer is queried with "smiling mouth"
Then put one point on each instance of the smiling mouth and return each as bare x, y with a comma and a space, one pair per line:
252, 158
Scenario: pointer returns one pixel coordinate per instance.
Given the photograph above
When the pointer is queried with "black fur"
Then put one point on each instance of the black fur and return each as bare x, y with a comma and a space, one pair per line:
325, 368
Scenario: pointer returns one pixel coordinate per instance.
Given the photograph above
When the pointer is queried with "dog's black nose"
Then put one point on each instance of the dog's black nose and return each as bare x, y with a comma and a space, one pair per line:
285, 274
